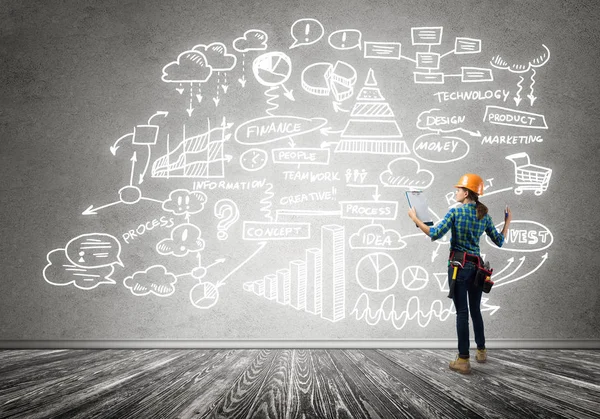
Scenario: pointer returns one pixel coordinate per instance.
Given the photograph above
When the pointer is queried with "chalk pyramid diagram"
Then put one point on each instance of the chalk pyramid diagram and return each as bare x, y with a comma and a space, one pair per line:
372, 127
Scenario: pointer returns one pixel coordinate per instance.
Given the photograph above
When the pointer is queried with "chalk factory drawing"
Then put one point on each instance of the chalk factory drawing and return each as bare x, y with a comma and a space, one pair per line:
282, 178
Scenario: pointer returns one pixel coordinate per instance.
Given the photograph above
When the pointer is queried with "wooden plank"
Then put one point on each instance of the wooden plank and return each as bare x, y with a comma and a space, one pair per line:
476, 392
180, 389
412, 396
236, 401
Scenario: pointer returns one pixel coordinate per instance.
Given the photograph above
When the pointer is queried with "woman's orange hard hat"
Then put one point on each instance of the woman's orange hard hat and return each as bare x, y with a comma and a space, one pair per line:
472, 182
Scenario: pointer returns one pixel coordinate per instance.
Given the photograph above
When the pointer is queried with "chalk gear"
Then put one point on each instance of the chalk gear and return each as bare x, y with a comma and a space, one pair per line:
472, 182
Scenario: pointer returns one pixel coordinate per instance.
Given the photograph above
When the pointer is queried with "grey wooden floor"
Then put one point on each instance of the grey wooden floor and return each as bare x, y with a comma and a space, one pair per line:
296, 384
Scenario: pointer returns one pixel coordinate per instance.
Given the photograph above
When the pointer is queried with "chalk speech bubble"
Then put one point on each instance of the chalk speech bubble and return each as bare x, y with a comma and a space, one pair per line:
269, 129
184, 202
345, 39
94, 250
306, 32
59, 271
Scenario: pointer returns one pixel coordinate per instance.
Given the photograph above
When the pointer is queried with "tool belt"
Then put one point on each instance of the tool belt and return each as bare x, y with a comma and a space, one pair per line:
458, 259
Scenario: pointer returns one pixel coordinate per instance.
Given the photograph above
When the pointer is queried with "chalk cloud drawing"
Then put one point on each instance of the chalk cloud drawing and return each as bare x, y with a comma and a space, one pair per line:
216, 56
154, 280
252, 40
190, 67
519, 67
185, 238
184, 202
376, 236
406, 172
306, 32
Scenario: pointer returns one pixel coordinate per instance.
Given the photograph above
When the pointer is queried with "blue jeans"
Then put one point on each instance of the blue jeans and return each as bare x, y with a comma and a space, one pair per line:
465, 292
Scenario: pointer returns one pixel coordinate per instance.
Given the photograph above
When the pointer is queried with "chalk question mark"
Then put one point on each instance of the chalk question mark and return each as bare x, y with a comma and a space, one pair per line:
227, 211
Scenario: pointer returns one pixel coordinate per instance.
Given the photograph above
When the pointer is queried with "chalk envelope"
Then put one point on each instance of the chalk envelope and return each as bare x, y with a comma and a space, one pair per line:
94, 250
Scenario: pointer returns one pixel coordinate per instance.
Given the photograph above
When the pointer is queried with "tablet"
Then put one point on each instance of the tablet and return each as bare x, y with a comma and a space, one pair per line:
416, 200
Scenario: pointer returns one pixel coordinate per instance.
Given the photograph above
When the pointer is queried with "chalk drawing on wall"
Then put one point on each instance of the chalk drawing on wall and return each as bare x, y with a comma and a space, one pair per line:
529, 176
515, 67
227, 213
372, 127
272, 70
155, 280
345, 39
325, 79
306, 32
198, 156
252, 40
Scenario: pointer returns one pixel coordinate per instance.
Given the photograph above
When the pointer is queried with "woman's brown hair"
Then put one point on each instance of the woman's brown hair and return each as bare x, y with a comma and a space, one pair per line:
482, 210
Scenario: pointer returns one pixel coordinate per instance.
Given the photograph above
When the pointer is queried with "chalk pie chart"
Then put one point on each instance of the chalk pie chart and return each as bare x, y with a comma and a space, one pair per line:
414, 278
377, 272
272, 69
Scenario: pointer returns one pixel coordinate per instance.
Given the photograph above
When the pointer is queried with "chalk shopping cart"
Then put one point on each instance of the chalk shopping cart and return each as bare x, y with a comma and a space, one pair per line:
529, 176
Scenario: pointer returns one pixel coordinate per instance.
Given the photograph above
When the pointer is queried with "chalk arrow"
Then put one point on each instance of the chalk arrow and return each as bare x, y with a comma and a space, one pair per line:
291, 142
227, 137
288, 93
199, 97
115, 146
532, 98
94, 211
242, 81
435, 252
327, 130
228, 157
522, 259
517, 100
159, 113
325, 144
180, 90
190, 110
544, 258
510, 262
225, 87
216, 100
338, 108
133, 160
488, 307
215, 262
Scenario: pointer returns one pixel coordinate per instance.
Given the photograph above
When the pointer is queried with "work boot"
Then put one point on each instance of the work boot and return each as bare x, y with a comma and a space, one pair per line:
461, 365
481, 355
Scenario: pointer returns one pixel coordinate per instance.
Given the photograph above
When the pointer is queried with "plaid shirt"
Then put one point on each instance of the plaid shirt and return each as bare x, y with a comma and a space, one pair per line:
466, 229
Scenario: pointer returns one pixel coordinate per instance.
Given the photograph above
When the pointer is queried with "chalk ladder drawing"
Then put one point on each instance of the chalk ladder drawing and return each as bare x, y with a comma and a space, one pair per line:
199, 156
316, 285
372, 127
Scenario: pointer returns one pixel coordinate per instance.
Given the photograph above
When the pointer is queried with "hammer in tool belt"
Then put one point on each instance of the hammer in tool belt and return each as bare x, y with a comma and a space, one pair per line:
456, 265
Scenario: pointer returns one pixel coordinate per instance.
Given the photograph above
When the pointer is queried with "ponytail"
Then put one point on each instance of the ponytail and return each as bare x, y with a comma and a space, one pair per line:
482, 210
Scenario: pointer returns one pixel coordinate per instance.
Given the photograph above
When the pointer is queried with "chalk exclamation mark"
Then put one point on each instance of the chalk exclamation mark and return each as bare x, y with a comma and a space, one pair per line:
306, 29
344, 40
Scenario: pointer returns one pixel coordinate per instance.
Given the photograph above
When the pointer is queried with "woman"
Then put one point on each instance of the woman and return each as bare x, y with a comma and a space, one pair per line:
467, 223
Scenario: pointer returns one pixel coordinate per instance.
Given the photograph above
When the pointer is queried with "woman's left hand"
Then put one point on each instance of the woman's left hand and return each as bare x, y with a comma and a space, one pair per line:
412, 213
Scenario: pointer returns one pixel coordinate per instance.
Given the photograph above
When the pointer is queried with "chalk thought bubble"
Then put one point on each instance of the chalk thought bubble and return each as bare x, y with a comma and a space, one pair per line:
521, 67
184, 202
306, 32
190, 67
375, 236
154, 280
94, 250
60, 271
216, 56
185, 238
253, 40
405, 172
